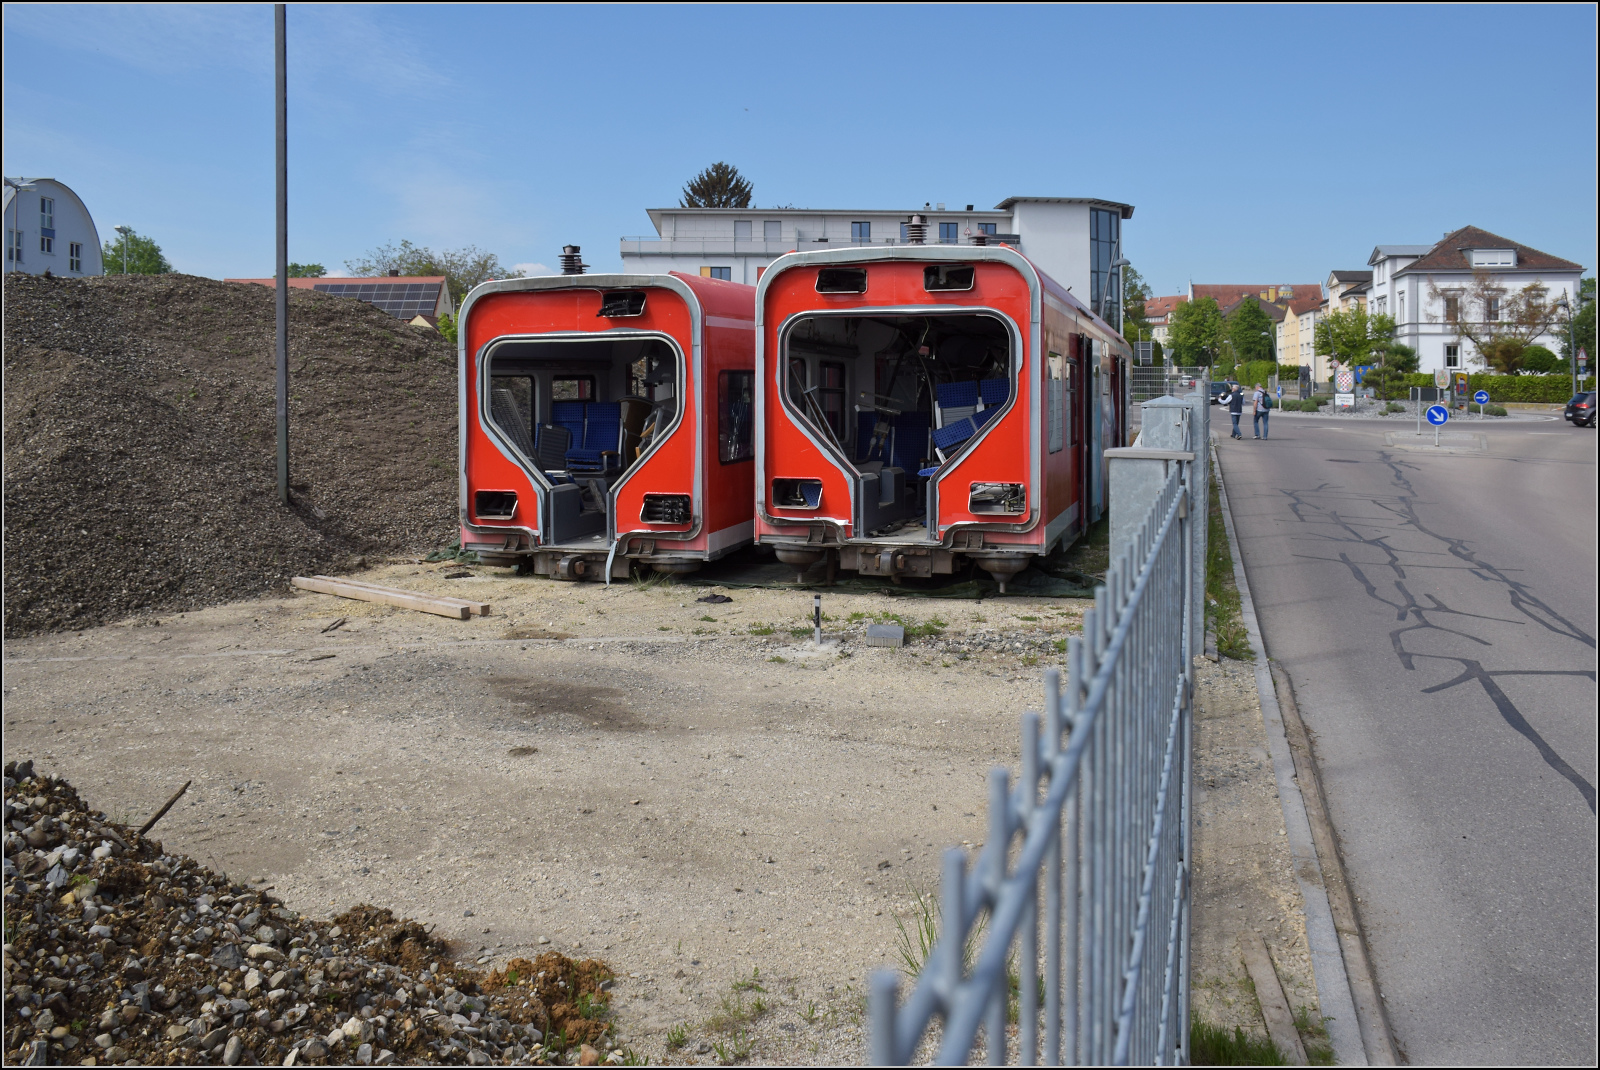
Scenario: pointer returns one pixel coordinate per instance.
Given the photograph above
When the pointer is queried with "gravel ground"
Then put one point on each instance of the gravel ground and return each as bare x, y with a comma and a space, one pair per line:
120, 953
1243, 872
140, 468
707, 805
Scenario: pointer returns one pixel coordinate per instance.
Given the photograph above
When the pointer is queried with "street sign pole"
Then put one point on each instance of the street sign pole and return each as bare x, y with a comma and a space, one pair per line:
1482, 398
1437, 415
282, 347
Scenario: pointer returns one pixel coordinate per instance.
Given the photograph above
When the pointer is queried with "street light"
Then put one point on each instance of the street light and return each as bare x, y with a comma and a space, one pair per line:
1572, 338
1116, 265
14, 239
124, 230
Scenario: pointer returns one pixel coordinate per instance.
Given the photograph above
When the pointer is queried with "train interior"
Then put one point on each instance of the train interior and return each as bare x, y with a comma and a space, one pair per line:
583, 411
901, 396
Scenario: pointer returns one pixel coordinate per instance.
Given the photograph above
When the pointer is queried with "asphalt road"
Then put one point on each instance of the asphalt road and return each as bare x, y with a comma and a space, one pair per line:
1436, 612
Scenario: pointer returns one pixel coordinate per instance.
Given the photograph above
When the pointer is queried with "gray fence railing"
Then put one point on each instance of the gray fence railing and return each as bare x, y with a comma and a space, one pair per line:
1101, 808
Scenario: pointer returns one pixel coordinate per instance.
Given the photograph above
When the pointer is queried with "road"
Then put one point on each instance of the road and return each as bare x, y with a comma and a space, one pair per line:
1436, 613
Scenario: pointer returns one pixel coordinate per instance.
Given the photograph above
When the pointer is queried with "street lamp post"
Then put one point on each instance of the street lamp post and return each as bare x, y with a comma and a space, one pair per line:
14, 239
125, 231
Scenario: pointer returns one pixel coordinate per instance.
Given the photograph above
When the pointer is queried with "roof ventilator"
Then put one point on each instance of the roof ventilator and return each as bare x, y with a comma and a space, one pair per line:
917, 230
981, 238
572, 260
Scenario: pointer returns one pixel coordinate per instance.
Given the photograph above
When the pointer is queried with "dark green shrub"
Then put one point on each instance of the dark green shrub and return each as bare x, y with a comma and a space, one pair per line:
1494, 410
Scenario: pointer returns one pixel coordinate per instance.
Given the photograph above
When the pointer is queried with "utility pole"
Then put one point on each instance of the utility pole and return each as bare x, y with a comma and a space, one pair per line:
283, 253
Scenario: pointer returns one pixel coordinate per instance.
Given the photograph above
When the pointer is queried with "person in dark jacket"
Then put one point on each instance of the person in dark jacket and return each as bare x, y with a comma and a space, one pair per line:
1235, 403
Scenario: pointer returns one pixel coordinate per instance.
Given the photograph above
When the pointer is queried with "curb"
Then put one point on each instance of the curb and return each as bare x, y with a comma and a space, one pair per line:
1327, 958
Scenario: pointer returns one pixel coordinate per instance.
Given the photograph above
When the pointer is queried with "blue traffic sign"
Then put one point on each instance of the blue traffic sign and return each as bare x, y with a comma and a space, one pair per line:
1438, 414
1481, 397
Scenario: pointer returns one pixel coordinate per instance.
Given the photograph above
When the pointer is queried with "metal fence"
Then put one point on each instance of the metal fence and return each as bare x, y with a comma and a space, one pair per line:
1101, 808
1155, 380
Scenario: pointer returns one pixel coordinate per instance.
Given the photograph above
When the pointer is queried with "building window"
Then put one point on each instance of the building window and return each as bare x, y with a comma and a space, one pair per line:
860, 231
772, 230
1402, 307
46, 244
1491, 308
949, 233
735, 406
74, 256
1452, 356
742, 229
13, 246
1105, 285
1494, 258
988, 228
47, 213
723, 273
1452, 309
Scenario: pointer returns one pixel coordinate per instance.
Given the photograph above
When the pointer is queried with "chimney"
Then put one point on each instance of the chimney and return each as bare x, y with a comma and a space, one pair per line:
917, 230
394, 273
572, 260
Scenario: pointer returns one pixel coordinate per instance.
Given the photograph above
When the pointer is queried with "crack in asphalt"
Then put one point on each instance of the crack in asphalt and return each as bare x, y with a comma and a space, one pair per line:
1417, 615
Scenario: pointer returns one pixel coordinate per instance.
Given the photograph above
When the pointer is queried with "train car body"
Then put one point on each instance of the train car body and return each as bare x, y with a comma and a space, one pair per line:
921, 405
606, 422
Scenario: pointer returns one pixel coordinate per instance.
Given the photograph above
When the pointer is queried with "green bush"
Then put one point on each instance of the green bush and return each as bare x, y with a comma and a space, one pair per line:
1527, 389
1394, 406
1494, 410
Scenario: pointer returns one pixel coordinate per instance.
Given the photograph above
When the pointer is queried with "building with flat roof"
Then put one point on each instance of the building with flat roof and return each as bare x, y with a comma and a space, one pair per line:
402, 296
1074, 240
49, 228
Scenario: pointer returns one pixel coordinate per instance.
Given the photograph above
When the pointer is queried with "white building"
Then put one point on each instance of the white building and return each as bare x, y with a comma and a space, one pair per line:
1074, 240
48, 228
1414, 283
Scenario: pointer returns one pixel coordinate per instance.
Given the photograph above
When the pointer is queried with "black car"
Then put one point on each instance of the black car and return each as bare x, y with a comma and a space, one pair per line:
1580, 410
1218, 390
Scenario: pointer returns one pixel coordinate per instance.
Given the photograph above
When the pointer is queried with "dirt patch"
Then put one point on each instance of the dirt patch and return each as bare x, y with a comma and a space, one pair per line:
574, 996
566, 703
533, 633
140, 456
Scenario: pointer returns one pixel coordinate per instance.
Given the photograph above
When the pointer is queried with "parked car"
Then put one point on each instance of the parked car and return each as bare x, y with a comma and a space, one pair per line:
1581, 409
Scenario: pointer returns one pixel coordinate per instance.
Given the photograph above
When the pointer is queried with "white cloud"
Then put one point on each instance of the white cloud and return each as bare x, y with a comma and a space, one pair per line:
532, 269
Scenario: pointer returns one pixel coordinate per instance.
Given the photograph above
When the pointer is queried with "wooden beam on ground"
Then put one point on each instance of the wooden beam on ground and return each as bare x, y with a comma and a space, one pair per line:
1274, 1008
480, 609
404, 599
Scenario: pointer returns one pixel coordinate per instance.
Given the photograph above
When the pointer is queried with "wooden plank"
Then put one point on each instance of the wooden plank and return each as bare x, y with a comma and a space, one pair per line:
1274, 1008
403, 599
479, 608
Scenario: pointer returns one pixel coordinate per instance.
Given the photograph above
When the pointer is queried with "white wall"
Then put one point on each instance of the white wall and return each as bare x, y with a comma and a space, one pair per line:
1056, 238
72, 224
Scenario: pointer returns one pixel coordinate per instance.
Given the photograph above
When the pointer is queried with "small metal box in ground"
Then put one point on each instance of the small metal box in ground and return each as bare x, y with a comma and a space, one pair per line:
886, 635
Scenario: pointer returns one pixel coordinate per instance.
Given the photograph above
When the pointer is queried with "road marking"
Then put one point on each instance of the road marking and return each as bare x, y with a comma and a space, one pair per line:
1544, 432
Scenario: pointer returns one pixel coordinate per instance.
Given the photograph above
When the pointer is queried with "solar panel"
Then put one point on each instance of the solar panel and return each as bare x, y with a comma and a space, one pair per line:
405, 300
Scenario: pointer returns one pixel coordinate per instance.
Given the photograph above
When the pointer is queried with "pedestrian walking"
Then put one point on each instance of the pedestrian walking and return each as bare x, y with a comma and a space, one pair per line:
1261, 405
1235, 402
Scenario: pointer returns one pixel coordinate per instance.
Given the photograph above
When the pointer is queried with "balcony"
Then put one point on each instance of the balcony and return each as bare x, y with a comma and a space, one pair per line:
709, 246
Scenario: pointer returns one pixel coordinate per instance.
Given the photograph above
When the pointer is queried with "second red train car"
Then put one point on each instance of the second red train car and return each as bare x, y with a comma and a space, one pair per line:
921, 405
606, 422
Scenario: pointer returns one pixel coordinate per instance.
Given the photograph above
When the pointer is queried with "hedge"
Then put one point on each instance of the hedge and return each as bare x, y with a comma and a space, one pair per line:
1528, 389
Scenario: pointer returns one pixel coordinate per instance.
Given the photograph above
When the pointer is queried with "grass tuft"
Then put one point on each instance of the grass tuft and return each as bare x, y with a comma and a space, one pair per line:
1222, 597
1212, 1045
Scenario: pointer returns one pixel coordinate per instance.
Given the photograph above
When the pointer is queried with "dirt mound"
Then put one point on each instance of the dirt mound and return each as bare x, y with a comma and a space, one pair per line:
120, 951
140, 457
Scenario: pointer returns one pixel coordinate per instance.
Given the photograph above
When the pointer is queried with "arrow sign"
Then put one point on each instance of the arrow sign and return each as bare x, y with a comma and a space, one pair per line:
1481, 397
1437, 415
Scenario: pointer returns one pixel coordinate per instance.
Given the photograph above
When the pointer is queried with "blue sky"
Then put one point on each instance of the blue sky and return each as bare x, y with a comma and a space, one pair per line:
1258, 144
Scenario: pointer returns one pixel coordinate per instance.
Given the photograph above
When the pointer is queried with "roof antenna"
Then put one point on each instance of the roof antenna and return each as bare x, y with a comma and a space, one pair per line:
572, 260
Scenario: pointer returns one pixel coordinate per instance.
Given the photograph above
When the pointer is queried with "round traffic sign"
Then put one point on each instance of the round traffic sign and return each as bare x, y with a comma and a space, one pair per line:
1438, 414
1481, 397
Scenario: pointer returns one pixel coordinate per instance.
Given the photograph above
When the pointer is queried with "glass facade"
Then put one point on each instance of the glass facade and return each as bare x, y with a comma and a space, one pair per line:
949, 233
1105, 245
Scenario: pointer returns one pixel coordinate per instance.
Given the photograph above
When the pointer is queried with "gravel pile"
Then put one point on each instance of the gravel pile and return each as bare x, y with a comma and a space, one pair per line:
119, 953
140, 456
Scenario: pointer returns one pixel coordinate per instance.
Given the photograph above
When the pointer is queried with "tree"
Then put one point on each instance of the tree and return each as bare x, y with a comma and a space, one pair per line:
1251, 332
1538, 360
462, 268
307, 271
1392, 362
1135, 292
1196, 332
1346, 335
143, 256
1511, 319
718, 186
1582, 325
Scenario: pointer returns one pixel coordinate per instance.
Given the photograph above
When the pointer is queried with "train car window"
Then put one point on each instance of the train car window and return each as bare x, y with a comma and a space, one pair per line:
831, 394
842, 281
947, 277
735, 395
1056, 388
622, 303
572, 388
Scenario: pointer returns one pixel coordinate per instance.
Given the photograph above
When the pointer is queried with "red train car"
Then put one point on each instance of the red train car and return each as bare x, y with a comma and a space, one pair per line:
920, 405
606, 421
